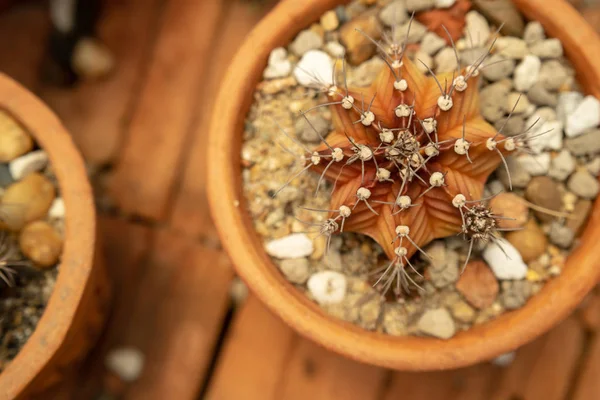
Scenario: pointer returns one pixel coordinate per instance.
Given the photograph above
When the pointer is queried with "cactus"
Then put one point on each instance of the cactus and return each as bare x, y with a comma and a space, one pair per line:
408, 159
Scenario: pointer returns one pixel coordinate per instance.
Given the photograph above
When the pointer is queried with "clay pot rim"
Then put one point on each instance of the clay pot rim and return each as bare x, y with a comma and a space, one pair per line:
80, 233
511, 330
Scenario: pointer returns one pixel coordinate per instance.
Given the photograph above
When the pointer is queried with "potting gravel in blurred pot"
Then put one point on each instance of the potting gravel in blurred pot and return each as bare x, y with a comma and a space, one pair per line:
53, 291
412, 183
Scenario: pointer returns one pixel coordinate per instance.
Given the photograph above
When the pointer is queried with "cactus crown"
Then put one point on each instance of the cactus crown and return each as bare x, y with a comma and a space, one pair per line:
408, 158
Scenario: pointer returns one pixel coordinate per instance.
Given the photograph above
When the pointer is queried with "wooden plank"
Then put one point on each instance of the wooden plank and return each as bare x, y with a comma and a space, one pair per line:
96, 113
187, 318
191, 213
316, 373
588, 384
151, 154
23, 30
254, 356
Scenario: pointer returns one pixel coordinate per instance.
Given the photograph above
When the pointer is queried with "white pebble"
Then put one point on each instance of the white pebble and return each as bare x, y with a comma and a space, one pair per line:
477, 29
335, 49
527, 73
584, 117
57, 209
296, 245
444, 3
548, 135
327, 287
504, 360
437, 323
31, 162
315, 67
567, 103
535, 165
279, 66
504, 260
126, 362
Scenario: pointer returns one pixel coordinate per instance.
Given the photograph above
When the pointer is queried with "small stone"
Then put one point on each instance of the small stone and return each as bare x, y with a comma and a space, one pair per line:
445, 60
330, 21
14, 141
310, 131
504, 360
22, 166
594, 166
462, 312
416, 33
511, 206
437, 323
553, 75
41, 244
548, 48
588, 143
502, 12
535, 165
541, 96
561, 235
583, 184
28, 200
478, 284
360, 48
517, 103
432, 43
419, 5
422, 60
305, 41
327, 287
444, 3
443, 269
57, 209
295, 269
314, 63
394, 13
279, 66
504, 260
5, 176
584, 117
544, 192
395, 319
515, 294
511, 47
92, 59
519, 178
530, 242
534, 32
527, 73
545, 134
477, 29
562, 166
296, 245
365, 73
579, 216
126, 362
492, 101
335, 49
472, 55
512, 126
498, 67
567, 103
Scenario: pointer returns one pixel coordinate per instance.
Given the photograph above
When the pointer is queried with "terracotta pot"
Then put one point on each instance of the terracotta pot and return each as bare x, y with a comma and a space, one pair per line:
557, 299
74, 314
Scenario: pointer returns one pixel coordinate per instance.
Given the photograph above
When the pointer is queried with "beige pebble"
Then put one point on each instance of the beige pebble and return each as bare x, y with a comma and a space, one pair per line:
40, 243
27, 200
510, 205
14, 141
530, 242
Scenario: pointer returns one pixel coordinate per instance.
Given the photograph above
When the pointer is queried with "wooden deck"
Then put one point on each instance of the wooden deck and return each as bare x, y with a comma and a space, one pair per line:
145, 130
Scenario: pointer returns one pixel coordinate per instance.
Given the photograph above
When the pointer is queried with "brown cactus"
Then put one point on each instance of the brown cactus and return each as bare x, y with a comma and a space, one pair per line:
408, 159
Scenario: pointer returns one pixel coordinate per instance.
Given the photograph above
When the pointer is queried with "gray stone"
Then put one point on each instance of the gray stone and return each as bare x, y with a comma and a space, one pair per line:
553, 75
561, 235
295, 270
498, 67
583, 184
511, 126
534, 32
472, 55
502, 12
394, 13
419, 5
417, 32
445, 60
548, 48
305, 41
514, 294
5, 176
365, 73
492, 99
126, 362
432, 43
567, 103
518, 176
562, 166
541, 96
594, 166
310, 131
437, 323
587, 143
511, 47
444, 268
